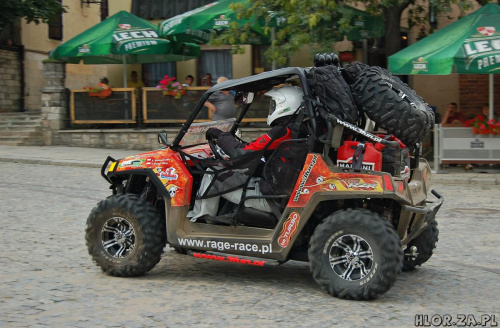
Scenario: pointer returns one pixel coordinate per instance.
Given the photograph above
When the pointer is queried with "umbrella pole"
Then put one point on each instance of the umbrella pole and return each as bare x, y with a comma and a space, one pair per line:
491, 94
273, 37
124, 71
125, 84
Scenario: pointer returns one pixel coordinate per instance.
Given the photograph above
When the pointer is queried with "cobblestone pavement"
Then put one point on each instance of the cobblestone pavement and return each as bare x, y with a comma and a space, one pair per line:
48, 279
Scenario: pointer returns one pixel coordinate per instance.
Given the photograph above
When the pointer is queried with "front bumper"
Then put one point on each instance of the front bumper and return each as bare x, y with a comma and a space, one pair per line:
414, 219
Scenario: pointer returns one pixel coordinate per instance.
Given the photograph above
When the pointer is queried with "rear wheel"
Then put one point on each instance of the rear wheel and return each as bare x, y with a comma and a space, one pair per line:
125, 235
425, 243
355, 254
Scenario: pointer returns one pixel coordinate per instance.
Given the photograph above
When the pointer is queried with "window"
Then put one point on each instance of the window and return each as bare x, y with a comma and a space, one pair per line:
56, 27
153, 73
259, 60
216, 62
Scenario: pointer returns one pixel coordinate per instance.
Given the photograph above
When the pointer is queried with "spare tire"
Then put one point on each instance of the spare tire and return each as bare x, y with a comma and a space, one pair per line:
352, 72
390, 103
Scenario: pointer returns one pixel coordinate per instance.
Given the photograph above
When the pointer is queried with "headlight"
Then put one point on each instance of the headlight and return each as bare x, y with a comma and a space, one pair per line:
109, 167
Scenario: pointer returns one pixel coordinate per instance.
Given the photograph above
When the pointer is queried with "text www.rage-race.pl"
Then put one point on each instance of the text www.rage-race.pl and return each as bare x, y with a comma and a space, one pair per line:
225, 246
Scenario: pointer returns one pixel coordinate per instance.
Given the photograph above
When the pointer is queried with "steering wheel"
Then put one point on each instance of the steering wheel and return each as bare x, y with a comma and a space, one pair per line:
213, 147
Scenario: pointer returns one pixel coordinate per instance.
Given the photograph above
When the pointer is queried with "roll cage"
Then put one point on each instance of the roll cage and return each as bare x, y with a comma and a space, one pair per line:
259, 82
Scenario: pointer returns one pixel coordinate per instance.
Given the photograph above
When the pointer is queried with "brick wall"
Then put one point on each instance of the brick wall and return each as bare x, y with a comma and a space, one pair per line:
474, 93
10, 81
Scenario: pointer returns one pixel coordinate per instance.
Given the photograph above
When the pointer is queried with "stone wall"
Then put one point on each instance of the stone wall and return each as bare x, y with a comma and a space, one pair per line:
146, 139
54, 102
10, 81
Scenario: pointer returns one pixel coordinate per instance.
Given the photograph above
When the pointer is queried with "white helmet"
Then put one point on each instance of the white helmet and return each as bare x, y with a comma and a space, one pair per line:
284, 102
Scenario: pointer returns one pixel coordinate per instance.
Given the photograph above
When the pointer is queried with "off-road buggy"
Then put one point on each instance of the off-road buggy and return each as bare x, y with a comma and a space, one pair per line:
357, 223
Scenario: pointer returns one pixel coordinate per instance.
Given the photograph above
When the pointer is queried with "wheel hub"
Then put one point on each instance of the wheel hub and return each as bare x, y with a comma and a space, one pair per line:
351, 257
118, 237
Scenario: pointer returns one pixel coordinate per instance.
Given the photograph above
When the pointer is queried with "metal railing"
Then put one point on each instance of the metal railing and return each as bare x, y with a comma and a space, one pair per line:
119, 107
153, 106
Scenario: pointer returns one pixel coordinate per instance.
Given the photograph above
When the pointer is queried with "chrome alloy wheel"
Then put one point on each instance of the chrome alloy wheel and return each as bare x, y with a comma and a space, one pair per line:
351, 257
118, 237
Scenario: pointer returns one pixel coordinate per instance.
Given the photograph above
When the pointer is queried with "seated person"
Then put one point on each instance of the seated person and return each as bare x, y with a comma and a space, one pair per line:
103, 83
134, 82
453, 115
285, 102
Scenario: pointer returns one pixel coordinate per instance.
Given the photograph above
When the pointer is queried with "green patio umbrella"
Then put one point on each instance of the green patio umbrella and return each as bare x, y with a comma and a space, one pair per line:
196, 25
123, 39
471, 45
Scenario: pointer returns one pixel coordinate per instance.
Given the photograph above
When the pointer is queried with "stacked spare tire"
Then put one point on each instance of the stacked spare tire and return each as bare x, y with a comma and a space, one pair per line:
386, 100
389, 102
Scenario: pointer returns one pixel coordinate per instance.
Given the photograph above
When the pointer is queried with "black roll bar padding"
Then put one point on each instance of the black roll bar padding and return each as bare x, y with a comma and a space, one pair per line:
417, 153
308, 103
237, 124
104, 166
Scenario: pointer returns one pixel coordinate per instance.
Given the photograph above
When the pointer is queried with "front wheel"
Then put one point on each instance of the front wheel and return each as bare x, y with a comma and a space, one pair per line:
125, 235
355, 254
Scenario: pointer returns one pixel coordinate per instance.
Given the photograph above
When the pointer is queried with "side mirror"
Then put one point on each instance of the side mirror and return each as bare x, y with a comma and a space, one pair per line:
243, 98
250, 96
162, 138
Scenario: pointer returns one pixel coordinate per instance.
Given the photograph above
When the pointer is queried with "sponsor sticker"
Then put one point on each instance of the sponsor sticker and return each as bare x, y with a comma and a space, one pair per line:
168, 173
347, 164
289, 229
132, 163
305, 177
172, 189
358, 184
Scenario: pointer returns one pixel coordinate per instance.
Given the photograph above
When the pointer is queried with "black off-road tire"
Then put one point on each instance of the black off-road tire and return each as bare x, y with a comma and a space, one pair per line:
179, 250
125, 235
355, 254
426, 244
392, 104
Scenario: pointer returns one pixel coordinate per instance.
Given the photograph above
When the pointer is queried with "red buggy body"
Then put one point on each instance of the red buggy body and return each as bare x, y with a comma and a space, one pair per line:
357, 227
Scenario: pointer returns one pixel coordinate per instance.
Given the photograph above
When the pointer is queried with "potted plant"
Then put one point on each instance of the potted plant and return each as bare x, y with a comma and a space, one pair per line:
102, 90
478, 124
168, 88
494, 126
481, 125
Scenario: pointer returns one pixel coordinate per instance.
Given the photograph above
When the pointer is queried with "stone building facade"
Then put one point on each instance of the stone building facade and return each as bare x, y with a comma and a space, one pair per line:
11, 79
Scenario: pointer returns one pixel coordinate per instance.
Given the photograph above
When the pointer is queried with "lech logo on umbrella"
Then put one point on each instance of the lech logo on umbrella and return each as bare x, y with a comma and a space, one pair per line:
486, 30
84, 49
420, 64
222, 21
125, 26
